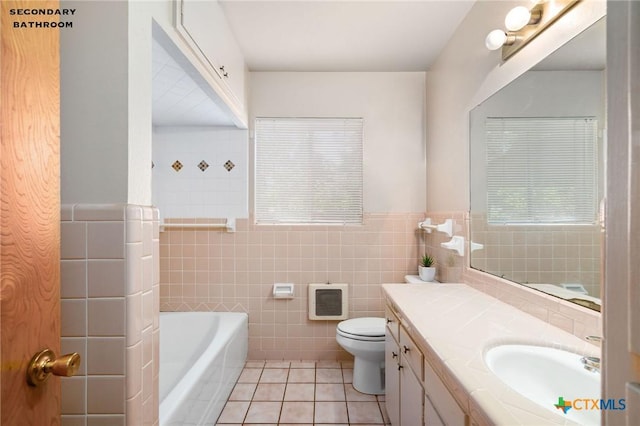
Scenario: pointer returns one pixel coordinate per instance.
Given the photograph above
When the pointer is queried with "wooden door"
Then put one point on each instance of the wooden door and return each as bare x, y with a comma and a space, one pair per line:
30, 218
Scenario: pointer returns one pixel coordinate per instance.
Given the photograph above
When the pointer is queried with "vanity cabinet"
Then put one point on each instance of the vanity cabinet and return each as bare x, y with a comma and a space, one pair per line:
415, 395
404, 392
203, 26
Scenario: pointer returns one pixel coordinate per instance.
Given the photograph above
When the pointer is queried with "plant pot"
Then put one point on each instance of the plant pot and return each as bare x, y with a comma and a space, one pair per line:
427, 273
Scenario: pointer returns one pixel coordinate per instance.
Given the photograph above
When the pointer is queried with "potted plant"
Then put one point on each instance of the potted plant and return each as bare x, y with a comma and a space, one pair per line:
427, 270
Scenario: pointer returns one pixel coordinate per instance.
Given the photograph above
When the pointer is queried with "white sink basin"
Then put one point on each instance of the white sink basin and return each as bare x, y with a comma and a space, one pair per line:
544, 375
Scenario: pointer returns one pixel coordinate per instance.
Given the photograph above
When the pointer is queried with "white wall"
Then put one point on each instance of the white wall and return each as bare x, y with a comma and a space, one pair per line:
106, 133
392, 105
94, 104
465, 74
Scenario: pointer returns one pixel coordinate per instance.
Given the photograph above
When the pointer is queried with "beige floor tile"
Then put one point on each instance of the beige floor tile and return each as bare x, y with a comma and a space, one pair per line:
331, 412
300, 392
263, 412
330, 392
328, 364
297, 412
347, 364
328, 375
250, 375
303, 364
254, 364
385, 416
269, 392
354, 395
347, 375
277, 364
234, 412
243, 392
274, 375
303, 375
364, 412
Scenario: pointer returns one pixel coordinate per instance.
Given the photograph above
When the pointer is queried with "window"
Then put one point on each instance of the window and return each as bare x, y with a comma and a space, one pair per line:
542, 170
308, 170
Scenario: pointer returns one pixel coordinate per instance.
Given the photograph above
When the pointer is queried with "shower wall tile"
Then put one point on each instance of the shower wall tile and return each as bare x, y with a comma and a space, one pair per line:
108, 269
200, 172
211, 270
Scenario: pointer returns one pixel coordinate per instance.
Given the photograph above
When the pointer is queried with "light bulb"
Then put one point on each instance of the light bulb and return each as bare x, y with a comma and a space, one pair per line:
517, 18
495, 39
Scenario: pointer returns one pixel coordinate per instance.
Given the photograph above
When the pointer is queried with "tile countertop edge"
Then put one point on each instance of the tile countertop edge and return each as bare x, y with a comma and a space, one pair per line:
454, 324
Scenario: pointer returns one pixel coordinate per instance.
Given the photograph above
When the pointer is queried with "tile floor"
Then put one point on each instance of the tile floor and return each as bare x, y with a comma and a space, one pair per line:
302, 393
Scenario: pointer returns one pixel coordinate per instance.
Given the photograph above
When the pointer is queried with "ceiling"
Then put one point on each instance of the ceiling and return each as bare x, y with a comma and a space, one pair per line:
307, 35
177, 99
357, 35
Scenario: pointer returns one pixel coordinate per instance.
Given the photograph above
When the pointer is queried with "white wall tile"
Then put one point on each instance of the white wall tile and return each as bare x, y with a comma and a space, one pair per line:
105, 240
73, 279
73, 395
105, 395
73, 240
106, 317
73, 317
105, 356
106, 278
187, 193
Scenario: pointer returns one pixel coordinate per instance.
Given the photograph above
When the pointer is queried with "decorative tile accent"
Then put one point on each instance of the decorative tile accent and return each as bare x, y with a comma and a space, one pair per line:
177, 165
229, 165
203, 165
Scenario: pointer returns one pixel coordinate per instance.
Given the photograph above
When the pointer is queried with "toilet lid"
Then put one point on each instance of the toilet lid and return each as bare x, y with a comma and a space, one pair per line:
370, 328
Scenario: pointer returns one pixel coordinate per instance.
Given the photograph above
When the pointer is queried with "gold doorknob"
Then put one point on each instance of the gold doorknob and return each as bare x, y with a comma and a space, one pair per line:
45, 363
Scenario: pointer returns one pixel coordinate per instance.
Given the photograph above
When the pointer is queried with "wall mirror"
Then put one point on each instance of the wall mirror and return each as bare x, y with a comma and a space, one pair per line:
537, 174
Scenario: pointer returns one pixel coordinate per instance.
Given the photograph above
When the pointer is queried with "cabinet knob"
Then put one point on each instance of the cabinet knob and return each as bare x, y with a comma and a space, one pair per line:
406, 349
400, 367
394, 355
389, 320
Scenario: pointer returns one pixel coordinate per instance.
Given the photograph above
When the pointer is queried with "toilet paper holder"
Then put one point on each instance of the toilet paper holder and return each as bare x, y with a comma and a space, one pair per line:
283, 290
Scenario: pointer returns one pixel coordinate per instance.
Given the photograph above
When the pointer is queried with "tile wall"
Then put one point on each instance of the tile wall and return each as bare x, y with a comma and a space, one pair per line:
212, 270
109, 313
565, 315
200, 172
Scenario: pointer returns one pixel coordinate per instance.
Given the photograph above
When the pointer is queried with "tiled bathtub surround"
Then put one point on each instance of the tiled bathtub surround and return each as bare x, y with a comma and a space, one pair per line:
214, 270
109, 312
200, 171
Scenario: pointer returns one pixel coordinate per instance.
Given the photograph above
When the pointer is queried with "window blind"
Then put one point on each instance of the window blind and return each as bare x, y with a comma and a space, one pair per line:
308, 170
542, 170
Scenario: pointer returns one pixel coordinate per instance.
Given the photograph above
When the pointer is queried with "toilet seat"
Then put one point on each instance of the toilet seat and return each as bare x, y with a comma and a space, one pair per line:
366, 329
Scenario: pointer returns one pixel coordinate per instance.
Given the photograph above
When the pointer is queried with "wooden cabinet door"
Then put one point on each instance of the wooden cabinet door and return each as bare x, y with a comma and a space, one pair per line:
30, 218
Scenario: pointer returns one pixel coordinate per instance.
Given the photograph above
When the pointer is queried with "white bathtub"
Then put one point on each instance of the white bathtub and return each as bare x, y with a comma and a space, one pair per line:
201, 357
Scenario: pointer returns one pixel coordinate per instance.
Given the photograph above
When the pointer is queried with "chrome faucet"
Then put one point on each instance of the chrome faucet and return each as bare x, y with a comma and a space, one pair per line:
591, 363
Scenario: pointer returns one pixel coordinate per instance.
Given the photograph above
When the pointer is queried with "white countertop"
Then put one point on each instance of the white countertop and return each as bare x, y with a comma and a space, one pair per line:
455, 324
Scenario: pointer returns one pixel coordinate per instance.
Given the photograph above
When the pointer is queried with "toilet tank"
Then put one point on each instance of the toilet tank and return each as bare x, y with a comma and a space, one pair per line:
328, 301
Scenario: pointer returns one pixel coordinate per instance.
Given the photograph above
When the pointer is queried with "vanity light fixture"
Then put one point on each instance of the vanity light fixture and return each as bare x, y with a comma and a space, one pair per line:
519, 17
524, 24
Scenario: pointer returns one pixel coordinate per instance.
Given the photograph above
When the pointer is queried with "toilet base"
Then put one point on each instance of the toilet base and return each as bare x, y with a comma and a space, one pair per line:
368, 376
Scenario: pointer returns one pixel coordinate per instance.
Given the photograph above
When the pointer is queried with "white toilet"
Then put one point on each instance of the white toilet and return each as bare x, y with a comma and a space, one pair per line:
364, 339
